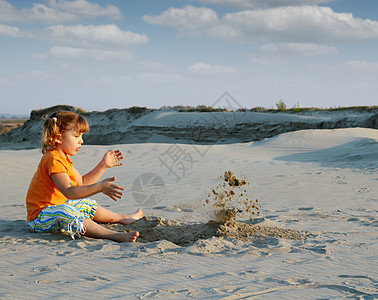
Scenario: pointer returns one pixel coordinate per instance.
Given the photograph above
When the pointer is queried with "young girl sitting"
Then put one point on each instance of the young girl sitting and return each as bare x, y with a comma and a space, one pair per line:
57, 195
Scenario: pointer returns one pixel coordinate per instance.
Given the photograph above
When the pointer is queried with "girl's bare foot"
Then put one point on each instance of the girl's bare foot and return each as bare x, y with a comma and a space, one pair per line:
123, 237
128, 219
95, 230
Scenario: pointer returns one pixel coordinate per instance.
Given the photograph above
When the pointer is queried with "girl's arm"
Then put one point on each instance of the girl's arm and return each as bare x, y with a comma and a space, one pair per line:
63, 182
110, 159
79, 179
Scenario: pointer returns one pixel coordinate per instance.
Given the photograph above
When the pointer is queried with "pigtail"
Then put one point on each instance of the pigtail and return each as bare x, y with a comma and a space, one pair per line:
50, 133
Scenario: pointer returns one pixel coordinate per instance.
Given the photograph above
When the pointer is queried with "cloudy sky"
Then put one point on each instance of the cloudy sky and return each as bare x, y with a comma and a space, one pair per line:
99, 54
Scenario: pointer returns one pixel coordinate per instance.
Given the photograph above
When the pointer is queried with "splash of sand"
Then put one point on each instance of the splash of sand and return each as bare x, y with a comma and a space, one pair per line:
231, 199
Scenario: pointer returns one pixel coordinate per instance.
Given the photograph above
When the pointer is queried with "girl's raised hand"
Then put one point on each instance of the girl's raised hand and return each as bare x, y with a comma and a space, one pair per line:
111, 189
112, 158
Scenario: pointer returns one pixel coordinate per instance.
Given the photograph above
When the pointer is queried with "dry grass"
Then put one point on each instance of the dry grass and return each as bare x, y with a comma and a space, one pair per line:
7, 125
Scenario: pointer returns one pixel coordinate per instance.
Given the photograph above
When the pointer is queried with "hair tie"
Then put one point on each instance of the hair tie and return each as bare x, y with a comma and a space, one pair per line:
55, 119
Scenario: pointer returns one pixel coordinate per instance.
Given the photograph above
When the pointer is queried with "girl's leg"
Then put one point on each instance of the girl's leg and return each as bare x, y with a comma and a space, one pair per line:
67, 217
104, 215
95, 230
57, 217
90, 209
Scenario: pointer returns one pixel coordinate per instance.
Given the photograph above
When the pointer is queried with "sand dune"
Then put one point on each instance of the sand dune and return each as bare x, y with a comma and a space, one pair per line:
315, 237
141, 125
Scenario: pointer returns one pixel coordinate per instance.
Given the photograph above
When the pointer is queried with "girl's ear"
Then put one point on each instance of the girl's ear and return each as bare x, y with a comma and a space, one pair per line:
58, 139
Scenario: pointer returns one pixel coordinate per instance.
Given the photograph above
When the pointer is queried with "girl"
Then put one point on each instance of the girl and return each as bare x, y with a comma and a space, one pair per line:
57, 195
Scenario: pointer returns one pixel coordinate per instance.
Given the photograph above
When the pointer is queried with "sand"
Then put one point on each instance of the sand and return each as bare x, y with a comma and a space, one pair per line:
315, 236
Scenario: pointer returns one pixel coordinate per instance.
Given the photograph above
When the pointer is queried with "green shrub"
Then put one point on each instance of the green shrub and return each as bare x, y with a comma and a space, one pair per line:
281, 105
296, 107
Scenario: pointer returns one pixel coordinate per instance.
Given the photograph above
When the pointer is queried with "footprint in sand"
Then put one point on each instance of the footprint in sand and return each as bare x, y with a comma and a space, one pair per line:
363, 190
339, 180
96, 278
63, 253
49, 268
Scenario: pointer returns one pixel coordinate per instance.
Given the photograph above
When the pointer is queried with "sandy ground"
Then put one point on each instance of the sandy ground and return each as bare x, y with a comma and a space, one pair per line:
315, 237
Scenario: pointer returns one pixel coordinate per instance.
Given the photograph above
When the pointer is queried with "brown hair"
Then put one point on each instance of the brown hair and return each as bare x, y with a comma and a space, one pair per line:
58, 123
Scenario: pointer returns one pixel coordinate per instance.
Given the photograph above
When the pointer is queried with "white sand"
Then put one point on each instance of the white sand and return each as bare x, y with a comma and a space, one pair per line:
322, 182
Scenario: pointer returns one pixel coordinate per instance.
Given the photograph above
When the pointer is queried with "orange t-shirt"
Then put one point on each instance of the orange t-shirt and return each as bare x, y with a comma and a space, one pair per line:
42, 190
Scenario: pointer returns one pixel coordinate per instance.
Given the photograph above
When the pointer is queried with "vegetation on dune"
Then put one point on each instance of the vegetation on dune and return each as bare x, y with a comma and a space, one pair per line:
198, 108
45, 112
135, 110
280, 107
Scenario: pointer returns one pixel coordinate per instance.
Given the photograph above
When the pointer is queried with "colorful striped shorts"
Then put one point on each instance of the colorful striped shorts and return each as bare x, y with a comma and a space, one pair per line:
65, 217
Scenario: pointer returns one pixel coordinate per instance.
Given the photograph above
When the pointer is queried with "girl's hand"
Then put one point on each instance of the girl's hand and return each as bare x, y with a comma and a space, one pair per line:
110, 189
112, 158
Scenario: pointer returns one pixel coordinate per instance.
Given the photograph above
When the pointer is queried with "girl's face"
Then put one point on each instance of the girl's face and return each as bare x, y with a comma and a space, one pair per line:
69, 142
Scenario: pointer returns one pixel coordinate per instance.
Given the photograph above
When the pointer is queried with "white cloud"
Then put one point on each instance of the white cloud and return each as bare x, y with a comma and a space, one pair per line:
361, 65
83, 54
86, 9
37, 74
88, 36
76, 36
159, 77
297, 49
10, 31
54, 12
285, 24
208, 69
30, 76
304, 23
189, 20
109, 81
275, 54
349, 67
249, 4
8, 12
154, 65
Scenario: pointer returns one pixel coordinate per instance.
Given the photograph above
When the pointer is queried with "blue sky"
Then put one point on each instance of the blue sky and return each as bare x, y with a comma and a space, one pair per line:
119, 53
